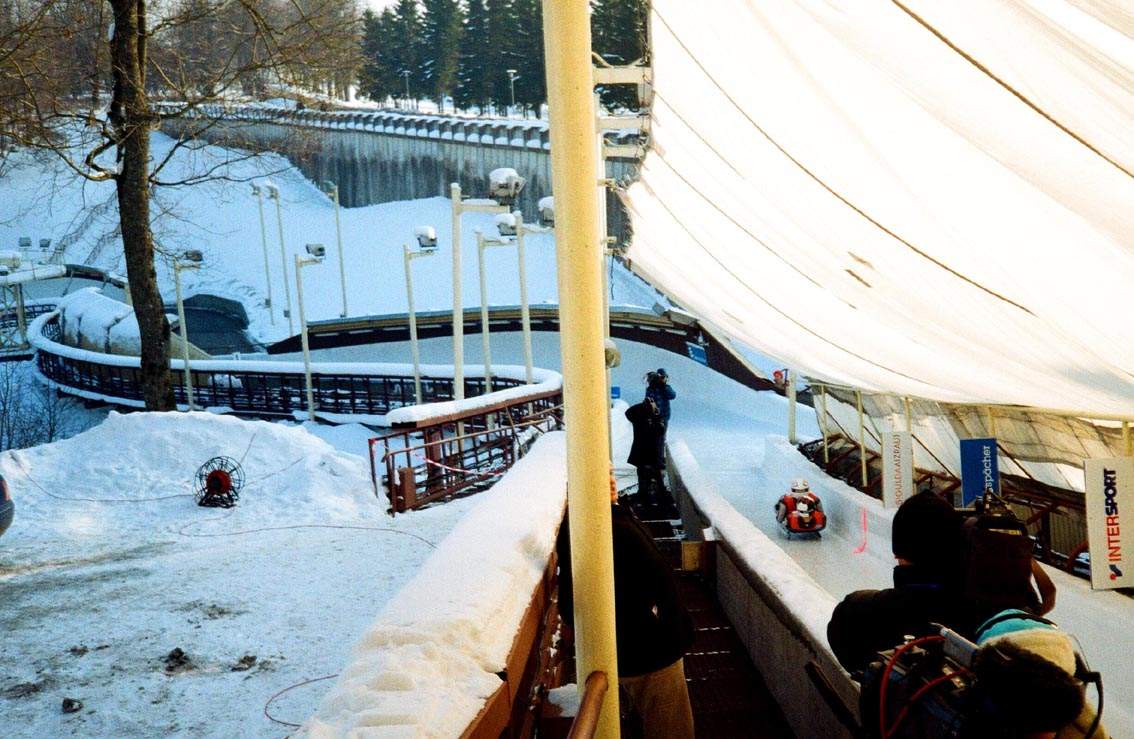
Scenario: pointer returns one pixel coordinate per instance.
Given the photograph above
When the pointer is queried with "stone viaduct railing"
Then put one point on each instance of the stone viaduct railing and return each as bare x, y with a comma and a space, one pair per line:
383, 156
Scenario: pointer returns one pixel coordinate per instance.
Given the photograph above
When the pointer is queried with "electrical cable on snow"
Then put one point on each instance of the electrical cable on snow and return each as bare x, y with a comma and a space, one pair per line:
288, 688
182, 531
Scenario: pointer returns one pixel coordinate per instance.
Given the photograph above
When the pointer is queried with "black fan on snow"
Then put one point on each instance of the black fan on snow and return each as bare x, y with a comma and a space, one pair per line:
219, 482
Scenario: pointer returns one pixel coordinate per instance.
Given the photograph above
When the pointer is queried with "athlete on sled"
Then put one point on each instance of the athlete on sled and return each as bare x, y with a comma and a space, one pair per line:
800, 511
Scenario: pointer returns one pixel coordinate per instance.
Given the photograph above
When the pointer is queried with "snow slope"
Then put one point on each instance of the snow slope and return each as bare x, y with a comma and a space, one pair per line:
43, 199
103, 574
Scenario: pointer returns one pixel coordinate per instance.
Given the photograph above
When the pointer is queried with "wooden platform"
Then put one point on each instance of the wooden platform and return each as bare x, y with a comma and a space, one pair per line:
729, 697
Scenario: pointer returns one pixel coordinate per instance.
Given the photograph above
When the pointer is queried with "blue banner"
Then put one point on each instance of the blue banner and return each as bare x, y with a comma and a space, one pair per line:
697, 353
979, 469
615, 392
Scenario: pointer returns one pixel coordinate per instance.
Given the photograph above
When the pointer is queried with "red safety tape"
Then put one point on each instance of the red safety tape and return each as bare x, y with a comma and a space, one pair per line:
479, 473
862, 547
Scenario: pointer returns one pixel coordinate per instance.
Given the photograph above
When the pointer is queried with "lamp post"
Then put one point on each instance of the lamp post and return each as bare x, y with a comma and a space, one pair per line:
525, 313
406, 74
316, 252
512, 77
427, 243
333, 190
274, 194
264, 244
459, 208
187, 260
483, 243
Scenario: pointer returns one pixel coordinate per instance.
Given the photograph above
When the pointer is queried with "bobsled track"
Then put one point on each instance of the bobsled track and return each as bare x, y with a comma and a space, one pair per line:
727, 437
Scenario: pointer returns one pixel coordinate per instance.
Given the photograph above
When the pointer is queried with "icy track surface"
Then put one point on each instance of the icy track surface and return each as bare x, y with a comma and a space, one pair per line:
96, 590
736, 435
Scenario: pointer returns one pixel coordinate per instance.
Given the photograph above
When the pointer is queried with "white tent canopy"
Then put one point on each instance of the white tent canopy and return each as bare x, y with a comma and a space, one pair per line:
905, 196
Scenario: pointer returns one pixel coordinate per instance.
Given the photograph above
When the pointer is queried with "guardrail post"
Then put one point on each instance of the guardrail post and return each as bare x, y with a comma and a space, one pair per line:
408, 486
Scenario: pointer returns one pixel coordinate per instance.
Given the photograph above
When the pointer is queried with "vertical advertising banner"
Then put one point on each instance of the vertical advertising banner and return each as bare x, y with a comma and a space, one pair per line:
979, 469
897, 468
1110, 521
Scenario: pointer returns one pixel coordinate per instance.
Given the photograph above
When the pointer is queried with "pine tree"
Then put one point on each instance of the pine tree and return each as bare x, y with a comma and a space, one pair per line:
502, 27
374, 78
527, 51
442, 24
405, 44
474, 81
618, 35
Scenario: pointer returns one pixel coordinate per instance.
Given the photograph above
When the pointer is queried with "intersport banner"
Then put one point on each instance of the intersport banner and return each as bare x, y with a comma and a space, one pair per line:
897, 468
1110, 521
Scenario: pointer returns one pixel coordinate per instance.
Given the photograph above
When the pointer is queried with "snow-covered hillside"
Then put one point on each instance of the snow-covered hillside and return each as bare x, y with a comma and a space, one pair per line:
110, 566
40, 198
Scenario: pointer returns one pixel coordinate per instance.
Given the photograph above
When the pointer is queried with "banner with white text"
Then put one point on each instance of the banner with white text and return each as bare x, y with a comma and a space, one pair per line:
897, 468
1110, 521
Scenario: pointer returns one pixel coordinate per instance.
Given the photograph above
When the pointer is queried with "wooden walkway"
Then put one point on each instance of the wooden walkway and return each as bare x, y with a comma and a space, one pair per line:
729, 697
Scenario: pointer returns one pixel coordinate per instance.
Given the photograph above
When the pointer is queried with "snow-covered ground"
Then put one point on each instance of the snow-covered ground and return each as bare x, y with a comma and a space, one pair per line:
42, 199
110, 566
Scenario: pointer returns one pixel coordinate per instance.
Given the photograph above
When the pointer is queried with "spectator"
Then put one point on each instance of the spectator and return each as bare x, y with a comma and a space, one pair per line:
646, 420
652, 630
661, 392
926, 540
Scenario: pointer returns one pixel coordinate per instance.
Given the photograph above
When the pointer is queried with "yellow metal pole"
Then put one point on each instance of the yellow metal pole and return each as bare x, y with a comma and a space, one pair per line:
570, 90
861, 437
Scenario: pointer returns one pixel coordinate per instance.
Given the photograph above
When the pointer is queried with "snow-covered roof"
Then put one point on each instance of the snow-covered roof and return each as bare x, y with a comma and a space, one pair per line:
919, 198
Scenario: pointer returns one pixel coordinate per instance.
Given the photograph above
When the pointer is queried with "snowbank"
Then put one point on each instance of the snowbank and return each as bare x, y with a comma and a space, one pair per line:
81, 489
429, 662
546, 381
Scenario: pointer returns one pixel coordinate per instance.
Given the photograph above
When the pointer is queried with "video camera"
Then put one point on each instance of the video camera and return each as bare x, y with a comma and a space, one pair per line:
943, 686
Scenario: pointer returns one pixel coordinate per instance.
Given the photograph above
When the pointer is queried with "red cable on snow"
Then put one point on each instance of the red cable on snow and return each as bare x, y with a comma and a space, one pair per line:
478, 473
862, 547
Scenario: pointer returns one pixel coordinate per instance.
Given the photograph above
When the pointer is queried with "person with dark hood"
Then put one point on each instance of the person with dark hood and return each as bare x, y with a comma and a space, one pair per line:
652, 628
926, 538
645, 419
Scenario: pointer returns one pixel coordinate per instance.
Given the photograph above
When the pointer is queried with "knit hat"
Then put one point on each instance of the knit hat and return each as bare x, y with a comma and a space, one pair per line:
1038, 636
926, 530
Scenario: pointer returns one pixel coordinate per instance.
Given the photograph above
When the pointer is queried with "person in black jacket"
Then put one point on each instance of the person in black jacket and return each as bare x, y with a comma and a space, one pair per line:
926, 540
648, 428
652, 630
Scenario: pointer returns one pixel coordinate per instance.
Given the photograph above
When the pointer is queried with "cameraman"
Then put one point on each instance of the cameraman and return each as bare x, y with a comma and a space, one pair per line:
660, 392
926, 541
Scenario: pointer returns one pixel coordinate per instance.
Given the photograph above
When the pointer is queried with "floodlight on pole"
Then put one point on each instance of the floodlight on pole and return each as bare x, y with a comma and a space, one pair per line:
259, 193
333, 191
316, 252
186, 260
427, 244
274, 194
483, 243
460, 207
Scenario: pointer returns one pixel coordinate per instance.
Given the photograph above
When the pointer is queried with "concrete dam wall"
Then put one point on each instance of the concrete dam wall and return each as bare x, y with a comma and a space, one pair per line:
378, 157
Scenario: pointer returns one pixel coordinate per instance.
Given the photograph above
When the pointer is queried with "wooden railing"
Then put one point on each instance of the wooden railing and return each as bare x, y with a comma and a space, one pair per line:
431, 461
508, 712
586, 722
